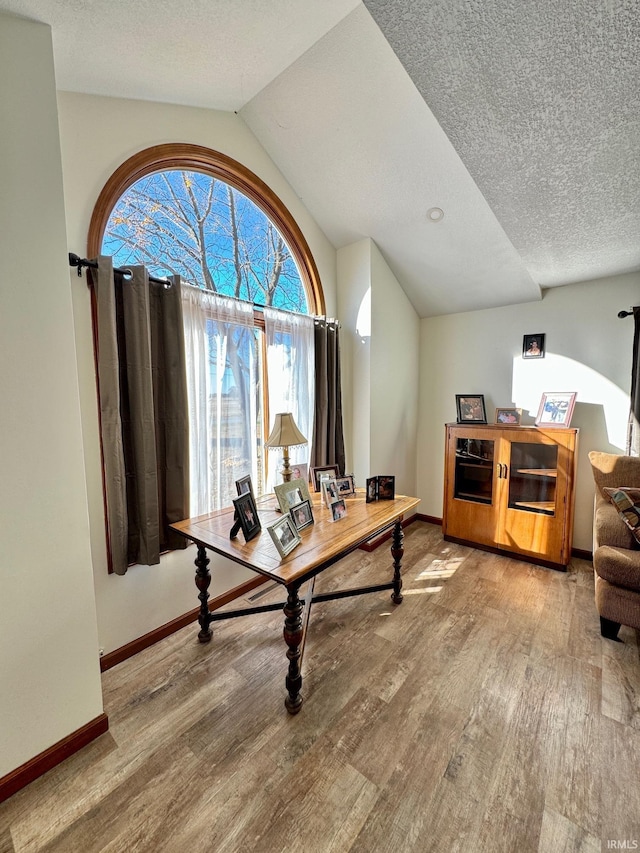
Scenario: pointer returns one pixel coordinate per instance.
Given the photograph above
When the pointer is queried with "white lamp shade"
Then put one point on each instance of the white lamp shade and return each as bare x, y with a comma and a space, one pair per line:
285, 433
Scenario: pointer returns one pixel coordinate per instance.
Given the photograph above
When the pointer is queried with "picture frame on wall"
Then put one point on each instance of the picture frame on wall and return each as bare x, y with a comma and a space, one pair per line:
508, 417
533, 346
556, 408
470, 409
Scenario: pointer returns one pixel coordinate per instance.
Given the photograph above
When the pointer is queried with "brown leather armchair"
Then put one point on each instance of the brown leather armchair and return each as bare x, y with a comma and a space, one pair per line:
616, 553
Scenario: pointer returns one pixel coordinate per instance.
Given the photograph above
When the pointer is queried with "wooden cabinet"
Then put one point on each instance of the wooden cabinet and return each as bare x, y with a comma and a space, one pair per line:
511, 488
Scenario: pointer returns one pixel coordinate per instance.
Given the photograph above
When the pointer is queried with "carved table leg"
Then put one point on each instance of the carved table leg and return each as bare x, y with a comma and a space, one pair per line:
203, 579
293, 635
396, 552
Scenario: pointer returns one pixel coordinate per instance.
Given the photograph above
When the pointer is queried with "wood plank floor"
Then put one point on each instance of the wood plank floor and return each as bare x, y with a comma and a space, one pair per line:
485, 713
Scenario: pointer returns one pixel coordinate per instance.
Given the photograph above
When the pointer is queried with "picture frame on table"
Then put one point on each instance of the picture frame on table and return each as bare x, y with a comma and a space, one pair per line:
284, 535
508, 417
300, 471
470, 409
329, 490
317, 470
346, 486
291, 493
338, 509
244, 485
380, 488
246, 515
556, 408
533, 346
302, 515
386, 487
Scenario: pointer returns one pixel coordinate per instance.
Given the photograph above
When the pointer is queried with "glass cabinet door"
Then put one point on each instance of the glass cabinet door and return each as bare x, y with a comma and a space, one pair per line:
474, 470
533, 473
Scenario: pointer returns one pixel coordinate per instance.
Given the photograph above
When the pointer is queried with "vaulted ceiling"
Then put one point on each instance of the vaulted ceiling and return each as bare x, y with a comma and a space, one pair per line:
520, 121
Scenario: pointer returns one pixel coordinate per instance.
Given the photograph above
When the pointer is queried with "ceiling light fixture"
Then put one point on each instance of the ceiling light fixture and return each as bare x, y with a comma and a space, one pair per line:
435, 214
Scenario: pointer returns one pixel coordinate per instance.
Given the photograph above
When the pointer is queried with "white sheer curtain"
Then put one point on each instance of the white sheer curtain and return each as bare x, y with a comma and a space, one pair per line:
222, 391
291, 379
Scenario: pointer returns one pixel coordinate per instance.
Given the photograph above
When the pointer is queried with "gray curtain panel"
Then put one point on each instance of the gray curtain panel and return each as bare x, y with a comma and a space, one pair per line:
328, 437
143, 413
633, 436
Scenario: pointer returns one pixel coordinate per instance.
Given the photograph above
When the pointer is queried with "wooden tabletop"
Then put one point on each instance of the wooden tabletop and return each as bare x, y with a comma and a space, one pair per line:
323, 543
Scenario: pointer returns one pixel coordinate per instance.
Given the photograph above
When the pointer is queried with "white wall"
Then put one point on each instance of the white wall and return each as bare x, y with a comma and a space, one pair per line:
382, 334
49, 673
354, 312
395, 348
588, 349
97, 135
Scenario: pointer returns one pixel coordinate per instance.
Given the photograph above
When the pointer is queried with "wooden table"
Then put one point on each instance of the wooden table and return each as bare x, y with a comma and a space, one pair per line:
323, 544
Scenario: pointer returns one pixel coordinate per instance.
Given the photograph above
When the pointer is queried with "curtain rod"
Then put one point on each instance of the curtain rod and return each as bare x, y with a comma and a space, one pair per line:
77, 261
622, 314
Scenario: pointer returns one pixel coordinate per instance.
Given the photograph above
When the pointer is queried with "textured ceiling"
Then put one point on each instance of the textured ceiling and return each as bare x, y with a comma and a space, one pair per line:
369, 160
541, 100
520, 120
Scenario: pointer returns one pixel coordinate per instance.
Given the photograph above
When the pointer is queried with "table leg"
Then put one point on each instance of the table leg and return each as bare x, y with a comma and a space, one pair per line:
203, 579
293, 636
396, 552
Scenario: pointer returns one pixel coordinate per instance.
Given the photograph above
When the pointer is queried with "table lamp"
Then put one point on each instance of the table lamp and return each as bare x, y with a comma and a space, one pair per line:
285, 434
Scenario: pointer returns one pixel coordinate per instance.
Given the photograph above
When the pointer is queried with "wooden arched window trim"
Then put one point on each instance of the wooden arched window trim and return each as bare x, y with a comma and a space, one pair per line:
198, 158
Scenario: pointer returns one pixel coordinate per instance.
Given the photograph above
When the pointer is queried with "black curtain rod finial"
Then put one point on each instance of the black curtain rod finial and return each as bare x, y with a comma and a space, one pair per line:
622, 314
77, 261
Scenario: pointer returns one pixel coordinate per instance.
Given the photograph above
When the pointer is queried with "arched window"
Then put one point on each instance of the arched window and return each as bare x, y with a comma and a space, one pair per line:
186, 210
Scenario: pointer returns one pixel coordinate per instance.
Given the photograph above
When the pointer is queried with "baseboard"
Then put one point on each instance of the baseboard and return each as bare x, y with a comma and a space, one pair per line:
580, 554
147, 640
429, 519
40, 764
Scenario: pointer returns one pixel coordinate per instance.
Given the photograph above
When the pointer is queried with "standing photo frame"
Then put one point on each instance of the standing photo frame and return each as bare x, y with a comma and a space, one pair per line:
291, 493
244, 485
338, 509
556, 408
317, 471
246, 515
346, 486
470, 409
509, 417
302, 515
329, 489
381, 488
300, 471
284, 534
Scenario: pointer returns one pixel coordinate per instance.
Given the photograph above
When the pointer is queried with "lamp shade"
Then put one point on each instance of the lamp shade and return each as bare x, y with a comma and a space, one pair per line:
285, 433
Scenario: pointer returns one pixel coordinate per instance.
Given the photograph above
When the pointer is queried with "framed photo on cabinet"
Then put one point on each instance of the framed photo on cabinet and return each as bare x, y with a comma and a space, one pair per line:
509, 416
470, 409
556, 408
